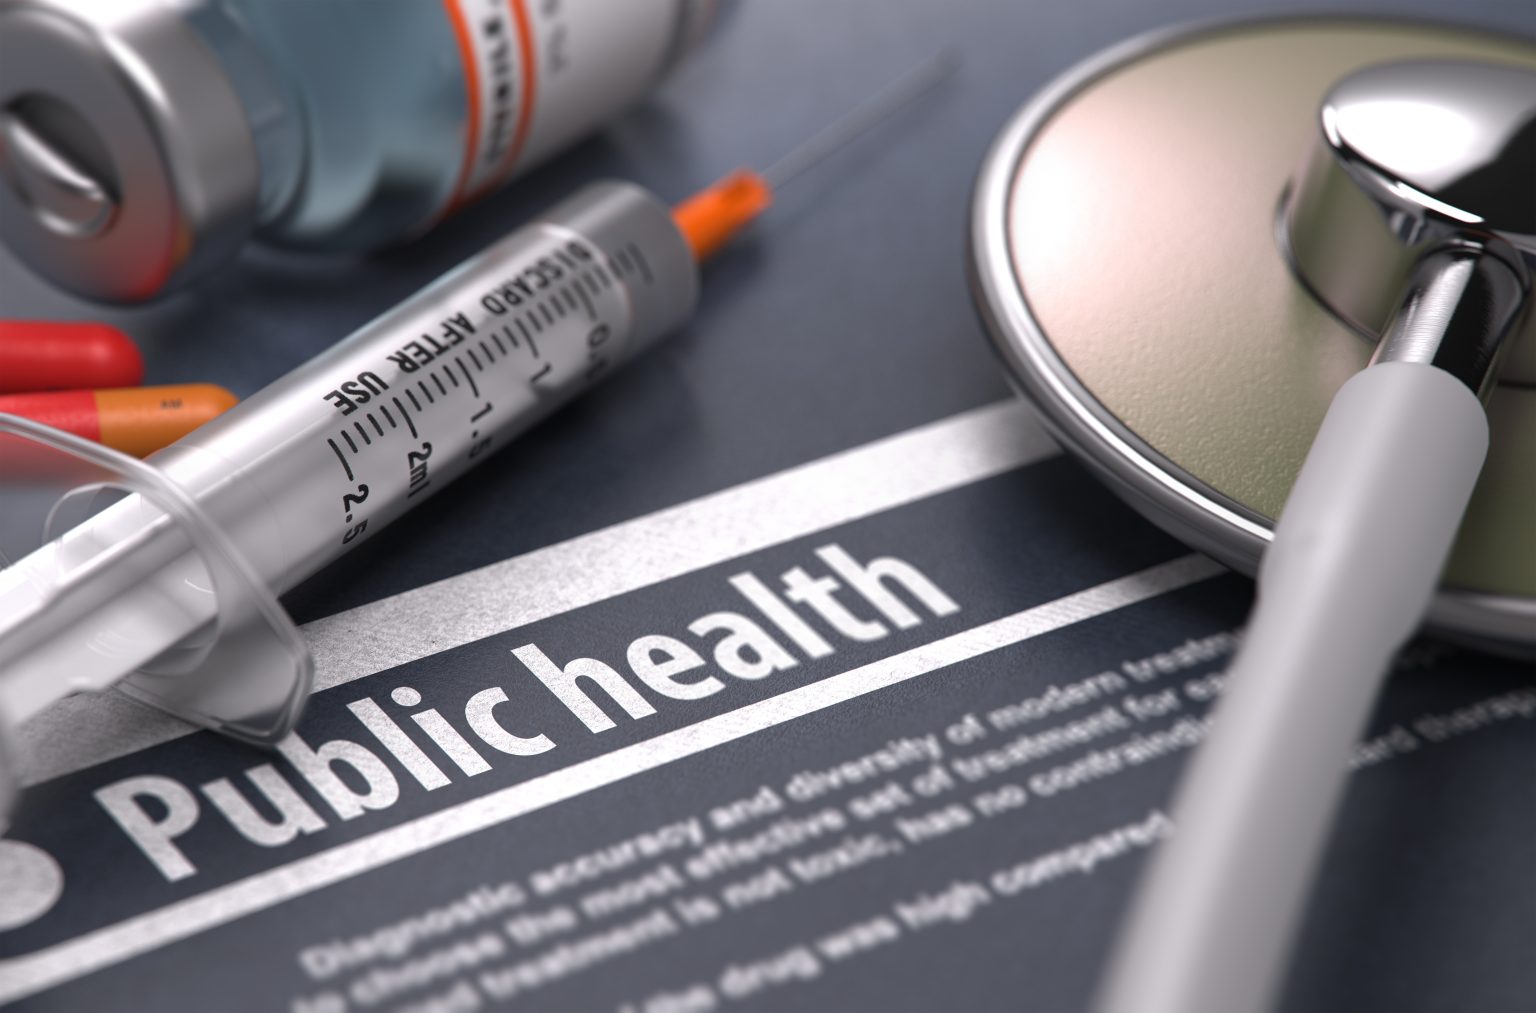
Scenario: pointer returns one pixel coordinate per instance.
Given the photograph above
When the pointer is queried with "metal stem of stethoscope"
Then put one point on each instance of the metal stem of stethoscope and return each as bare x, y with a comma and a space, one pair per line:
1445, 152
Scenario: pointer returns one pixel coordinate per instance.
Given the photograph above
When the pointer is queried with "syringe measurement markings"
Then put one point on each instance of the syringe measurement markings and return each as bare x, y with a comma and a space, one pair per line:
409, 422
573, 296
576, 295
645, 268
342, 458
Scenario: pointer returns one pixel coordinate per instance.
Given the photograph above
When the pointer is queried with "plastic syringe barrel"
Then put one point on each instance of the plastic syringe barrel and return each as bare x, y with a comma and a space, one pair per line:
271, 471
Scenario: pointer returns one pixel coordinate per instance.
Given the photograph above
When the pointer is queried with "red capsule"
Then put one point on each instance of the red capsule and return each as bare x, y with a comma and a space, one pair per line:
39, 355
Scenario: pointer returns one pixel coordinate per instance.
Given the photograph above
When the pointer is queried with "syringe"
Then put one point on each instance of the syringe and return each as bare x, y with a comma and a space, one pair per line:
172, 587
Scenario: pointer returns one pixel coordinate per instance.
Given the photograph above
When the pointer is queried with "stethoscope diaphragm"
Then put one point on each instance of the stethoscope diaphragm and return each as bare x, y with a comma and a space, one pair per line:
1130, 256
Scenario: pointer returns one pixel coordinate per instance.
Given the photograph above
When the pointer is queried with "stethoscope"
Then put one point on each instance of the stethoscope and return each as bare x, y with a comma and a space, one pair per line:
1283, 263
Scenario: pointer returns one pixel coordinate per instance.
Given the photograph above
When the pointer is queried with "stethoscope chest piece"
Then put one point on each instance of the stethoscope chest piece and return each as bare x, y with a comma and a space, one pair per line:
1179, 277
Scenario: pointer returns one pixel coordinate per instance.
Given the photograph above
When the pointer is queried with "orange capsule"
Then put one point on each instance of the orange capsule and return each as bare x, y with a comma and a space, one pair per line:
39, 355
135, 420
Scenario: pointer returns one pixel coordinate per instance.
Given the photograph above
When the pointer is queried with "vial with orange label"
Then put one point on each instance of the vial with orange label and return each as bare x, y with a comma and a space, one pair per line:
142, 142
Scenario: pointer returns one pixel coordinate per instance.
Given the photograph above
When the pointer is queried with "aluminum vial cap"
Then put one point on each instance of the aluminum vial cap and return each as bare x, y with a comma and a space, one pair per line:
127, 165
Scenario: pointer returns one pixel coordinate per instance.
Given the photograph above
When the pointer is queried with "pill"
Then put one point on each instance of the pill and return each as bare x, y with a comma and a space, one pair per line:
41, 355
135, 420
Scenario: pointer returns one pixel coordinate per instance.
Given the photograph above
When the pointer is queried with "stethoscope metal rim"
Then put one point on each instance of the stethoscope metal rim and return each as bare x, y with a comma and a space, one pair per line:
1170, 496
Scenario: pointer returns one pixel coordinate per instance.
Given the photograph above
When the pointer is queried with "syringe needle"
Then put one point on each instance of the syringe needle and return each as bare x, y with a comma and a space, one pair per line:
711, 217
864, 117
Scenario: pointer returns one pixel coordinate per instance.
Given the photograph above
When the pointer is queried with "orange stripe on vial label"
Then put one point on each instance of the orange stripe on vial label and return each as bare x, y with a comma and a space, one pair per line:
496, 51
463, 37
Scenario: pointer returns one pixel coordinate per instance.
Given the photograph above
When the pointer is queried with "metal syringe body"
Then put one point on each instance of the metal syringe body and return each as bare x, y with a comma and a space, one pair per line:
330, 453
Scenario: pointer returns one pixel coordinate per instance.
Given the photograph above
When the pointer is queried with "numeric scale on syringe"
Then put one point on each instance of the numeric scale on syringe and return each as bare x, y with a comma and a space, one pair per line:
260, 498
479, 364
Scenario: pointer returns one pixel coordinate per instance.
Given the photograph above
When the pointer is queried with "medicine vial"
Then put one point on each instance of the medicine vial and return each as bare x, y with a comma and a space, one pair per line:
143, 142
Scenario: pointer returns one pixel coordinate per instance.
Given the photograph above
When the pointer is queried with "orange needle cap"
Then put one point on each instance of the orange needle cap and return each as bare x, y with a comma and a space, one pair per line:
712, 216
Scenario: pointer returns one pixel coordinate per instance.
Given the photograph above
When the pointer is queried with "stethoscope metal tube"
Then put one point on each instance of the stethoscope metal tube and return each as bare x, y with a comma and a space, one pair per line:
1458, 310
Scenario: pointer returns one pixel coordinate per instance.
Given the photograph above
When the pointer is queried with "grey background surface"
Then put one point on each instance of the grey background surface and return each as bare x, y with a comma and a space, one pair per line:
844, 317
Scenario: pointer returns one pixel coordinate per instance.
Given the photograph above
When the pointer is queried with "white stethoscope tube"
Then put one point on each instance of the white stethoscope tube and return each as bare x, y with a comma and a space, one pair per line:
1355, 559
1357, 552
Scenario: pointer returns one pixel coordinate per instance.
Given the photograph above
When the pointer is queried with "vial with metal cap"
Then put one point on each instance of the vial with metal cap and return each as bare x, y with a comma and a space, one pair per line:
142, 142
